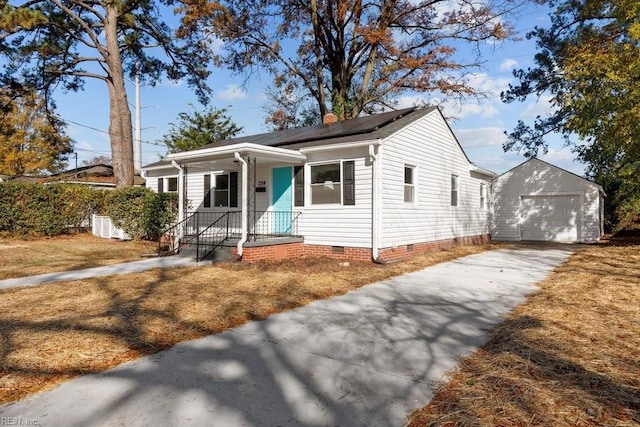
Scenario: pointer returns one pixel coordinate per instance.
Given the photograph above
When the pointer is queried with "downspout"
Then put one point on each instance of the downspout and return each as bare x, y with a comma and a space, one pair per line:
180, 190
245, 203
375, 203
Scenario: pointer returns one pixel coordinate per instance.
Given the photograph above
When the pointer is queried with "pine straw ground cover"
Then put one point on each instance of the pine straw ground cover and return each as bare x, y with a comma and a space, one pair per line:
54, 332
569, 356
19, 258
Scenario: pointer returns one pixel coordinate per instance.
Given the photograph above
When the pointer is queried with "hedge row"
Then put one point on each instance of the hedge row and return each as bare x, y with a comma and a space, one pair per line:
50, 210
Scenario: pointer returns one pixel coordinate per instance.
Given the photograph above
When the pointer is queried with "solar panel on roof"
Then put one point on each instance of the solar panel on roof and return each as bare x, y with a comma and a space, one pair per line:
360, 125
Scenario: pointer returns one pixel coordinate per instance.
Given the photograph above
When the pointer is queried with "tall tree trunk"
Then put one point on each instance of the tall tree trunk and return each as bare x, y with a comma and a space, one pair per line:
120, 127
317, 49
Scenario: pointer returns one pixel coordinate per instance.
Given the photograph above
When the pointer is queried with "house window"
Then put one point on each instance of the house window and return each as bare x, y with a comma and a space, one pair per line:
298, 180
409, 184
483, 192
325, 184
454, 190
223, 193
168, 185
172, 185
221, 190
207, 191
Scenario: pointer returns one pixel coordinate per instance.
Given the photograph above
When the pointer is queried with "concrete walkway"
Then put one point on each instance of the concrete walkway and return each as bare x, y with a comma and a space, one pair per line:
107, 270
367, 358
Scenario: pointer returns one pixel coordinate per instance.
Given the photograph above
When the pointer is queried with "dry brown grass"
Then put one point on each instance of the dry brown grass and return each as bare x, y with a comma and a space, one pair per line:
47, 255
569, 356
57, 331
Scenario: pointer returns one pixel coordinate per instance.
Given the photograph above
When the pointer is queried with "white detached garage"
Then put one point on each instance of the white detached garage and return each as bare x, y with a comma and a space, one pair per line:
539, 201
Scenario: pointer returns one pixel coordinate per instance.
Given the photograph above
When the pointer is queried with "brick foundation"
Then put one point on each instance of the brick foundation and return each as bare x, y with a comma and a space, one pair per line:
338, 252
297, 249
270, 252
403, 252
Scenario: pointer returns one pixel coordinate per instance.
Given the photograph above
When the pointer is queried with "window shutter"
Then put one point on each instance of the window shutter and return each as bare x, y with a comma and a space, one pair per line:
207, 191
298, 173
233, 190
349, 183
160, 185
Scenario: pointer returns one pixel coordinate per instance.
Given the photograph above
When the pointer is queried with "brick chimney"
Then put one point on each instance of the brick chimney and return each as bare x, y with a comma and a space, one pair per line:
329, 118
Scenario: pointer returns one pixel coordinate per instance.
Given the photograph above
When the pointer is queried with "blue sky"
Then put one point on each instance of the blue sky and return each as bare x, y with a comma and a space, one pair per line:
479, 125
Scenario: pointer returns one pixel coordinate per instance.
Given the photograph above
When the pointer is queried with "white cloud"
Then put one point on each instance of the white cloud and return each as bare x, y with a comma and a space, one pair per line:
483, 82
454, 110
411, 101
215, 44
171, 83
232, 92
482, 108
541, 107
481, 137
84, 145
508, 64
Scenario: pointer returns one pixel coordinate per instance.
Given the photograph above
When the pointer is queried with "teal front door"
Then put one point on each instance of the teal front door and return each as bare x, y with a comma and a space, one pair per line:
281, 200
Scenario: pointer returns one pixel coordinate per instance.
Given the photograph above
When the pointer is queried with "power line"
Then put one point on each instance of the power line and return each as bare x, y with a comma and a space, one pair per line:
159, 144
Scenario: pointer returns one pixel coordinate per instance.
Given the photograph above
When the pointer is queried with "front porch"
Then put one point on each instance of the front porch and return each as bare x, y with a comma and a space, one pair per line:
199, 234
242, 193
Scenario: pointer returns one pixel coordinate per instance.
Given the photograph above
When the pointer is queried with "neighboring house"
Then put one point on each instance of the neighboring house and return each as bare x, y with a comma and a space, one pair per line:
95, 176
375, 187
539, 201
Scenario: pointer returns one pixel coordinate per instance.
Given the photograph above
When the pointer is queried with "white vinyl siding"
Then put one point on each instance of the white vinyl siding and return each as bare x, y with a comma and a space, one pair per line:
195, 187
429, 144
334, 225
535, 184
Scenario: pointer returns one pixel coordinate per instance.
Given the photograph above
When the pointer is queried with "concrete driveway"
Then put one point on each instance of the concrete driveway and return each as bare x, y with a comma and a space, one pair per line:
368, 358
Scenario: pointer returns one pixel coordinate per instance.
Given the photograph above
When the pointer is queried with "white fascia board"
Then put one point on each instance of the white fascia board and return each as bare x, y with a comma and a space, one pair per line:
158, 167
340, 146
482, 171
282, 154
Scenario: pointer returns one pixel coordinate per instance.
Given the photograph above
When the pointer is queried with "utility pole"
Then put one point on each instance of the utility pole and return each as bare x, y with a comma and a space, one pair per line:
76, 171
137, 148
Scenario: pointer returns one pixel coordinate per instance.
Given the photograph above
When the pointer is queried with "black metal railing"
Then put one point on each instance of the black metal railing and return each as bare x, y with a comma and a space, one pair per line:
212, 236
208, 230
270, 224
175, 236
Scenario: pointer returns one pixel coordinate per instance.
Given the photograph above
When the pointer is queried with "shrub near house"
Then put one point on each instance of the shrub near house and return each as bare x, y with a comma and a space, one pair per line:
45, 210
49, 210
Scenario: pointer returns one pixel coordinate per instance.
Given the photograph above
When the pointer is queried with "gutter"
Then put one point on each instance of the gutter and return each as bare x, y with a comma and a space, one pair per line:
245, 199
482, 171
376, 230
254, 149
344, 145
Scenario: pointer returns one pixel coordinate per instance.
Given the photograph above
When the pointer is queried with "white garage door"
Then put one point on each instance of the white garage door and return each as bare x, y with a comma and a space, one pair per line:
550, 218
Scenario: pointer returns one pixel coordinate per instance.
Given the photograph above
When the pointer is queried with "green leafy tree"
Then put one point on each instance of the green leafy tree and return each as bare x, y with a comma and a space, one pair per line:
353, 56
30, 143
198, 129
589, 62
60, 43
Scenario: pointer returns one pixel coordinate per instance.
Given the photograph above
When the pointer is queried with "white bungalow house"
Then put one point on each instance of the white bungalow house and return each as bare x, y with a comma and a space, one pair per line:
539, 201
375, 187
